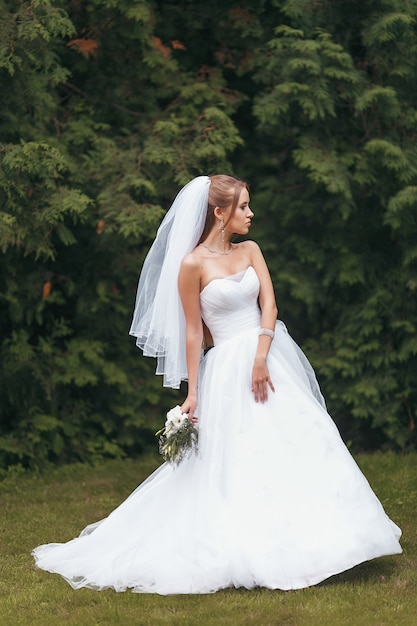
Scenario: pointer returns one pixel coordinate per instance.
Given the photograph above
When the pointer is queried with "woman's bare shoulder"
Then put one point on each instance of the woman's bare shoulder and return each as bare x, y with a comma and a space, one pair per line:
191, 262
249, 246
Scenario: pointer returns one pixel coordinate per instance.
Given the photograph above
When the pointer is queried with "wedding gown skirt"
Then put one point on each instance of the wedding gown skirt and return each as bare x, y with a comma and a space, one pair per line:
273, 499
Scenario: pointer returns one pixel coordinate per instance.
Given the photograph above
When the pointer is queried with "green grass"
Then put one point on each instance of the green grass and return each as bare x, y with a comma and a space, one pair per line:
57, 505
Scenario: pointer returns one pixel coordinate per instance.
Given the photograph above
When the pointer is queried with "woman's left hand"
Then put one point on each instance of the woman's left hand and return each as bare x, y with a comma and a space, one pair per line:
261, 380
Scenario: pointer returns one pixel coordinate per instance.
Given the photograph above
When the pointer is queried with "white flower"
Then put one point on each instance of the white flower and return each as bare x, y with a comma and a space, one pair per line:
175, 420
178, 438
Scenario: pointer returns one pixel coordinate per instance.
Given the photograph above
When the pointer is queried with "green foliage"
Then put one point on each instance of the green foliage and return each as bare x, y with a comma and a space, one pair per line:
345, 194
109, 106
100, 124
37, 202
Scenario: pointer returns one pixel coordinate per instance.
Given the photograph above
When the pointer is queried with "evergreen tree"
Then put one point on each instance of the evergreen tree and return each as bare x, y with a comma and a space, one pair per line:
100, 127
109, 106
338, 97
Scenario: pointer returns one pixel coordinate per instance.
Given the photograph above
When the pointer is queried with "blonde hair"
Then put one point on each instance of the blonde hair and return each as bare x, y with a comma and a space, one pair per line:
224, 192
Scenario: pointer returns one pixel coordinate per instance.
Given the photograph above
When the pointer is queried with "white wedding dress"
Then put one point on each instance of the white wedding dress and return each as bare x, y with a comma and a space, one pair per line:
273, 498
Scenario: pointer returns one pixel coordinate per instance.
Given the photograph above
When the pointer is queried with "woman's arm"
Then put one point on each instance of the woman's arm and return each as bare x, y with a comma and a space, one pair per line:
260, 373
189, 289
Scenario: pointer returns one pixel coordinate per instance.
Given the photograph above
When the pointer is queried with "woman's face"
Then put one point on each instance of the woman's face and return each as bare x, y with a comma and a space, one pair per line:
239, 223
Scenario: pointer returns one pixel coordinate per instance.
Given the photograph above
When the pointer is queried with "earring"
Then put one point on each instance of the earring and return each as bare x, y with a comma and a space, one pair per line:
222, 227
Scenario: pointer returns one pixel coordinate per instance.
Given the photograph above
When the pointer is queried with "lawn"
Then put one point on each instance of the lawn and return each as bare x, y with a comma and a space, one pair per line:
56, 505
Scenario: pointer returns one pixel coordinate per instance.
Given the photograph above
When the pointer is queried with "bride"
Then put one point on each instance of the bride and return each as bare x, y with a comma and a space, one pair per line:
273, 498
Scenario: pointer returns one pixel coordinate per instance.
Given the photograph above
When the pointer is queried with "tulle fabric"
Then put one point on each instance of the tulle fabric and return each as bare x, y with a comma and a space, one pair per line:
158, 319
273, 498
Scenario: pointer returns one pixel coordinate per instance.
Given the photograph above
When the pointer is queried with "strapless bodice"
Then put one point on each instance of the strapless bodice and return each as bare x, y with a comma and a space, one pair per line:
229, 305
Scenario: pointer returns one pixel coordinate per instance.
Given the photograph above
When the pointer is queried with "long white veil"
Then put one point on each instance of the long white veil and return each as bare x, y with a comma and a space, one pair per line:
158, 319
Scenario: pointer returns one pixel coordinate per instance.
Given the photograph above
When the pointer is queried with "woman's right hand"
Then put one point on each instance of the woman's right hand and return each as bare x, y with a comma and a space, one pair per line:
189, 406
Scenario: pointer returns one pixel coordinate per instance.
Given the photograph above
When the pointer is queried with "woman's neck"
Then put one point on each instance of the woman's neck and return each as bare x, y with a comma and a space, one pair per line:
214, 243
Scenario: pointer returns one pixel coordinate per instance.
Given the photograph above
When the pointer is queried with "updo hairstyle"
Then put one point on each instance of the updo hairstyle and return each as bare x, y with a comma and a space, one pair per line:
224, 192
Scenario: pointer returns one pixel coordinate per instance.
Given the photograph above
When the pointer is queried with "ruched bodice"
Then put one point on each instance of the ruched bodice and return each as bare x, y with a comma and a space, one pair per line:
229, 305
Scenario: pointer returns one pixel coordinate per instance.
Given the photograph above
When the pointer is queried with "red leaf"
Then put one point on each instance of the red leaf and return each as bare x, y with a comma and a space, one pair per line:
87, 47
46, 289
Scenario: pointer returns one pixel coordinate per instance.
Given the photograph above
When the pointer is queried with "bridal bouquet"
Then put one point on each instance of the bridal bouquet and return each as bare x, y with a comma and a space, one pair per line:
178, 438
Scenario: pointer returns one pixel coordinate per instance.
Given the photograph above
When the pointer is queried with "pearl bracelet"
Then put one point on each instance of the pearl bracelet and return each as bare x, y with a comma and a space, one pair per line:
267, 331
